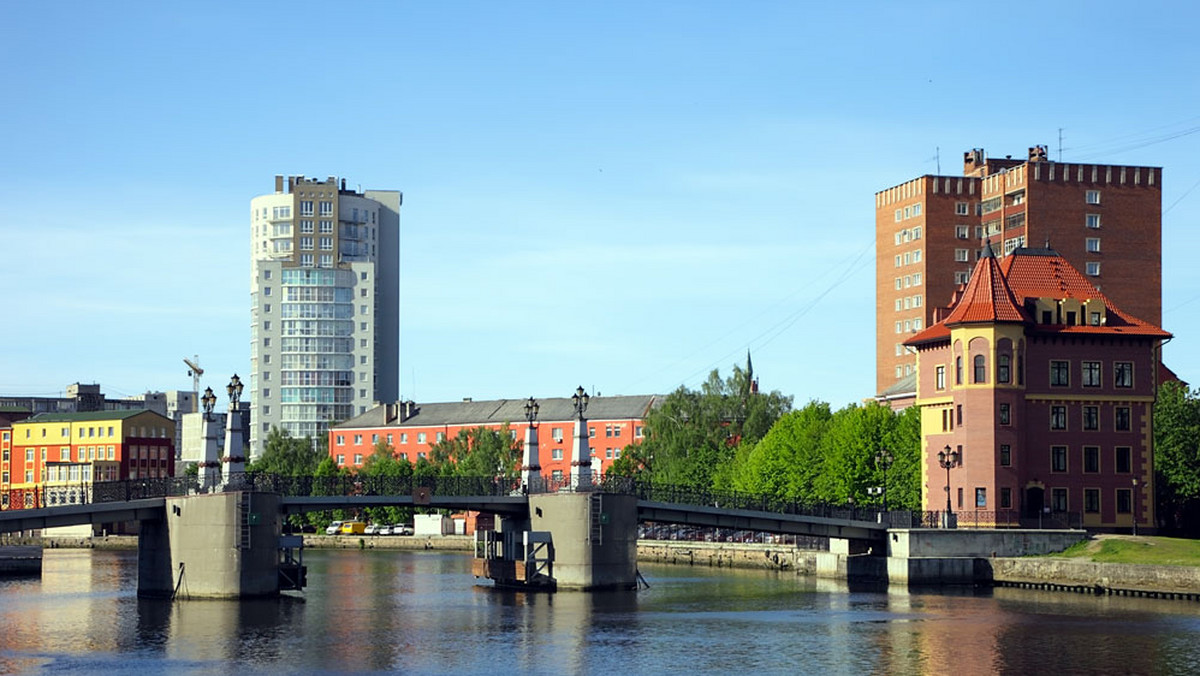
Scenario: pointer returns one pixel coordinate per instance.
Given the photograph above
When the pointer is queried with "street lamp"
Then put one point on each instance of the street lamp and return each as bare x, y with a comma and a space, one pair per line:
208, 401
1134, 506
234, 388
883, 460
948, 459
580, 399
531, 412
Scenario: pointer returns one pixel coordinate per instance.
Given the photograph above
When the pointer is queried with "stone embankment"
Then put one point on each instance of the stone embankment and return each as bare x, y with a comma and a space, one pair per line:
452, 543
1121, 579
728, 555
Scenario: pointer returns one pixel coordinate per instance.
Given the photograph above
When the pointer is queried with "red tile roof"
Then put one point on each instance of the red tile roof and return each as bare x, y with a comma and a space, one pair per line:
997, 292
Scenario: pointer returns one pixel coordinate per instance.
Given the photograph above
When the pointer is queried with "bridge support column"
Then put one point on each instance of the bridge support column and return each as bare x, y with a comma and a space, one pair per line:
594, 538
221, 545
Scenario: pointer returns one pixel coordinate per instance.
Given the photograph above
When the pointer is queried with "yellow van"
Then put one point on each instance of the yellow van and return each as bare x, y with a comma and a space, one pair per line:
353, 527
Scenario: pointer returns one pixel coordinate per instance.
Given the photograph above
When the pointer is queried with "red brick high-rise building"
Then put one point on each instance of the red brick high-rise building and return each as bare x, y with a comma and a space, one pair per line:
1105, 220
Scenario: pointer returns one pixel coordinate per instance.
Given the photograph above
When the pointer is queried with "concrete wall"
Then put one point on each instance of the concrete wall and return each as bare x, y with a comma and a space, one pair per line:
581, 563
201, 549
978, 543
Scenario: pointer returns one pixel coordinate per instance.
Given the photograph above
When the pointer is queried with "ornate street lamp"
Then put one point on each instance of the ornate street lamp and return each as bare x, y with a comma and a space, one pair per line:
883, 460
580, 399
531, 412
948, 459
208, 401
234, 388
1134, 506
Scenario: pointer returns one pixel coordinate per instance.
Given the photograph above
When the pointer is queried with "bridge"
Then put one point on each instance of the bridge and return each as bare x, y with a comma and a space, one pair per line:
587, 532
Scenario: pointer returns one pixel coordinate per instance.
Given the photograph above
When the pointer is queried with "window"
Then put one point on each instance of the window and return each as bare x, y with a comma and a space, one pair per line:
358, 458
341, 459
1121, 418
979, 368
420, 437
1091, 417
962, 231
1006, 498
556, 454
1124, 501
1092, 197
1093, 244
1124, 460
958, 370
916, 232
980, 498
962, 255
374, 438
326, 208
899, 284
1005, 455
556, 475
326, 244
1005, 414
637, 432
326, 227
1092, 220
1058, 499
1058, 417
1123, 374
591, 432
1091, 459
960, 208
1091, 500
1003, 368
1060, 373
440, 436
1058, 458
940, 377
404, 437
916, 279
1091, 374
962, 277
357, 439
958, 421
1092, 269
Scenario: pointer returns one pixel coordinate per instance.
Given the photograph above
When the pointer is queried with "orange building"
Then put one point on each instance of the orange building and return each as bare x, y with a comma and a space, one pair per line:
1105, 220
411, 429
60, 449
1044, 389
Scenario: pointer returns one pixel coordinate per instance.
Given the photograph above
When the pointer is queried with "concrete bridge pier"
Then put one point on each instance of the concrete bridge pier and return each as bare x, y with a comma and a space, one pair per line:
594, 536
220, 545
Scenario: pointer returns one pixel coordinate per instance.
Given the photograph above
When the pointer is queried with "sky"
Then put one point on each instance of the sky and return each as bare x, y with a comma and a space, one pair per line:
618, 195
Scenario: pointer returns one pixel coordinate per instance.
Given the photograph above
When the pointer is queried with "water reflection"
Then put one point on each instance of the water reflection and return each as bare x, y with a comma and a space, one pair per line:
422, 612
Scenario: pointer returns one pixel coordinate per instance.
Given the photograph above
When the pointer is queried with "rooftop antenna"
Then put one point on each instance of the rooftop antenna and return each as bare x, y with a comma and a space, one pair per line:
1060, 144
937, 154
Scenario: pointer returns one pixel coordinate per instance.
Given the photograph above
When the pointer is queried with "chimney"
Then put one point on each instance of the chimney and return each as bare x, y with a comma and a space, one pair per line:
343, 185
1037, 154
278, 183
973, 161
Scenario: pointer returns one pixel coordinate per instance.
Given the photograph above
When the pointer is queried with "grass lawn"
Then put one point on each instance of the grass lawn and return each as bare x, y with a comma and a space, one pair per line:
1157, 551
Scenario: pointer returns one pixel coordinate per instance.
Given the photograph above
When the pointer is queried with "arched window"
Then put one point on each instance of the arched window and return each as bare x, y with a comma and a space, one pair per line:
1003, 368
980, 368
958, 368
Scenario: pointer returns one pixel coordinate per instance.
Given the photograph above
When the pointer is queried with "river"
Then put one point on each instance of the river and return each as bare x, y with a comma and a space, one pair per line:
422, 612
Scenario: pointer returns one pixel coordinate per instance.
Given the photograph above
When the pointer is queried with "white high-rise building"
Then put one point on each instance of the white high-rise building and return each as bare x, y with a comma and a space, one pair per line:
325, 305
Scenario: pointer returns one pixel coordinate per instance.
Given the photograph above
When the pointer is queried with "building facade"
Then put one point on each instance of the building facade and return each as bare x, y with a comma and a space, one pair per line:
1045, 389
1105, 220
411, 429
69, 450
325, 306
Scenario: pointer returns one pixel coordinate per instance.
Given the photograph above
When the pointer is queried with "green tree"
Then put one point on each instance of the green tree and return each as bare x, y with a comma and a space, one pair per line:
390, 470
1177, 452
787, 461
479, 452
286, 455
692, 436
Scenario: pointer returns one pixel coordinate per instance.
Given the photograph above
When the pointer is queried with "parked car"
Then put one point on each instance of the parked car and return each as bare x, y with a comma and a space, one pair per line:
385, 530
372, 529
334, 528
401, 529
353, 528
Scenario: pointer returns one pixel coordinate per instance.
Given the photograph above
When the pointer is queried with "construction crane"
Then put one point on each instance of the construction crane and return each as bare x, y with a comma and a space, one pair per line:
195, 372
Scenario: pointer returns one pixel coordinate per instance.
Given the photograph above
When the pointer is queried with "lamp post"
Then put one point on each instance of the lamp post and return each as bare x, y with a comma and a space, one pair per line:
531, 470
581, 464
208, 401
1134, 506
948, 459
883, 460
234, 388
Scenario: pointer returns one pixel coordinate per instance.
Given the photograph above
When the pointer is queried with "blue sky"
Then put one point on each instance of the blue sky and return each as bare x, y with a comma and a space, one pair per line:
622, 195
